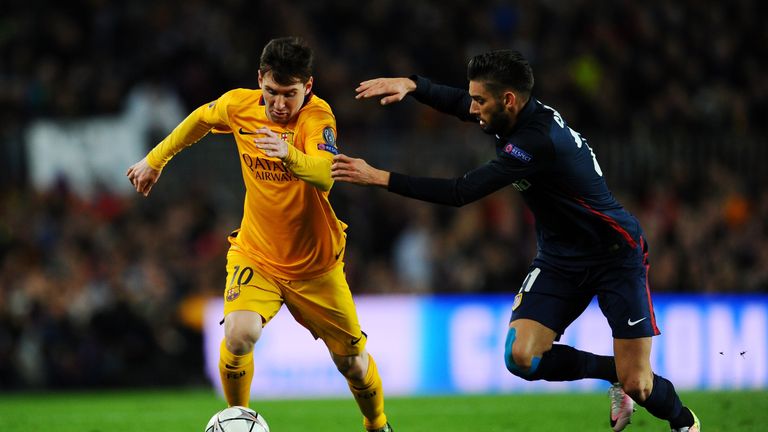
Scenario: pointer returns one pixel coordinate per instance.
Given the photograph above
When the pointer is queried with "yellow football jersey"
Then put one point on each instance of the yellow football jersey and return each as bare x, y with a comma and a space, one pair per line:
288, 224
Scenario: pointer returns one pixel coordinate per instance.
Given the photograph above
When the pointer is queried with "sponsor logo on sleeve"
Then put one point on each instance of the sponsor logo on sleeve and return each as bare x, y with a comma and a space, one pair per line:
330, 141
517, 153
329, 148
329, 137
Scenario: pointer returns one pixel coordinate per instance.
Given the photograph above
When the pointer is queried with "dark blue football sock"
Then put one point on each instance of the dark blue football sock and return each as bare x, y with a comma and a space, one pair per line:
664, 403
565, 363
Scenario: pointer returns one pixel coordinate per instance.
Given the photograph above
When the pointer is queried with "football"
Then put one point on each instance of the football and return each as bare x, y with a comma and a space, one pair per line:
237, 419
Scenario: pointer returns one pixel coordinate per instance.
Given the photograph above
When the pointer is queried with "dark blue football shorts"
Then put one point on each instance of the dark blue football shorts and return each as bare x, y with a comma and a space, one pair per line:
554, 294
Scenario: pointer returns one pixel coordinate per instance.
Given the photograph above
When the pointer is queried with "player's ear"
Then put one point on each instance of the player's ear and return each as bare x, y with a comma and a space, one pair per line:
261, 77
509, 100
308, 86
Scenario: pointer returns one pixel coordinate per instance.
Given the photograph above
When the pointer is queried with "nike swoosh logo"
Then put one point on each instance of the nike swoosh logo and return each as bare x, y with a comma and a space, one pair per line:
338, 255
355, 341
631, 323
245, 132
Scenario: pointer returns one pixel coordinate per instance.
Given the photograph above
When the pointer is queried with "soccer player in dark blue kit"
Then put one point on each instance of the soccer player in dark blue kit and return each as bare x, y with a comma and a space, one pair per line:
588, 244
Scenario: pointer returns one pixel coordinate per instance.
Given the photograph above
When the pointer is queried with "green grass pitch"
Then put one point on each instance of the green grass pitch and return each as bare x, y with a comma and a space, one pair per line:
189, 410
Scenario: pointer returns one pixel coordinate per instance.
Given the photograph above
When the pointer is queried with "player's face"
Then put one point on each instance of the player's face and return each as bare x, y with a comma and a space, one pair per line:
489, 109
283, 102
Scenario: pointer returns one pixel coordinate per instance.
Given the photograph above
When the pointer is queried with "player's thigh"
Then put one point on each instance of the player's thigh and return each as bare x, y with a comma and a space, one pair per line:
624, 296
549, 297
324, 306
249, 288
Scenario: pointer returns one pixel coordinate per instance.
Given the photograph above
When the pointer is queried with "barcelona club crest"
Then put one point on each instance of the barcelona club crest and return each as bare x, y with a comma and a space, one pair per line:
518, 300
287, 137
233, 293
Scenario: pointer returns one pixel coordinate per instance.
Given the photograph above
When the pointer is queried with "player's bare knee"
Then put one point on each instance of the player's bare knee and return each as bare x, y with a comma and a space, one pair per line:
352, 367
241, 340
519, 357
238, 346
241, 331
522, 356
637, 388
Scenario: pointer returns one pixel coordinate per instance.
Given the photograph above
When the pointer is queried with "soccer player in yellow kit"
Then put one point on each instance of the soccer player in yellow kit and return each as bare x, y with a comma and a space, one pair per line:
289, 248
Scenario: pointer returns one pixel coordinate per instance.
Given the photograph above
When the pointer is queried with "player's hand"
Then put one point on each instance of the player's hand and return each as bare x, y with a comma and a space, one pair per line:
393, 89
357, 171
142, 176
271, 144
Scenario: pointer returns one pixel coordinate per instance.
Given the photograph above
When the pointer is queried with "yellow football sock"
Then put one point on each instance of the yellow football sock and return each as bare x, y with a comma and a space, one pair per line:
236, 373
369, 396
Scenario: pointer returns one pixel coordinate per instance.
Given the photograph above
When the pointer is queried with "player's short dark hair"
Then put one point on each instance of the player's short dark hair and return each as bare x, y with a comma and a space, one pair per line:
289, 59
501, 70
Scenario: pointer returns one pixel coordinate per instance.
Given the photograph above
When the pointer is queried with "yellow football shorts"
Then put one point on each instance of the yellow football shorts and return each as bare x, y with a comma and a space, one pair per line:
323, 305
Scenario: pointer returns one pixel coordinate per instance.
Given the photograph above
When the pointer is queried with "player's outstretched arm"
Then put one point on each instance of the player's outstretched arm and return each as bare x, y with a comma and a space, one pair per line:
393, 89
142, 176
446, 99
357, 171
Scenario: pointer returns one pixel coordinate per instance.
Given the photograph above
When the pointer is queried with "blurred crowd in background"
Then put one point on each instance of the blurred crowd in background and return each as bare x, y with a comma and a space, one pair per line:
97, 290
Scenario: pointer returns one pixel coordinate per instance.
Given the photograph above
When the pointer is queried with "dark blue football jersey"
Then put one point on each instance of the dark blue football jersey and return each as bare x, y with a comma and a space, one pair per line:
551, 165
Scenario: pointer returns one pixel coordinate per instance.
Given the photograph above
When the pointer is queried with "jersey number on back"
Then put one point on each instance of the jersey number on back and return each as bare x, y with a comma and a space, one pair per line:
576, 137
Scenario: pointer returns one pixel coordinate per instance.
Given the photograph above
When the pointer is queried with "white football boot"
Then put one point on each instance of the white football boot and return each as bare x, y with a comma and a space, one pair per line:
622, 407
695, 428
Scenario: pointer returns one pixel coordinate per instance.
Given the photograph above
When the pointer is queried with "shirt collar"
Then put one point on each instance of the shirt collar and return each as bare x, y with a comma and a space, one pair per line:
522, 117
